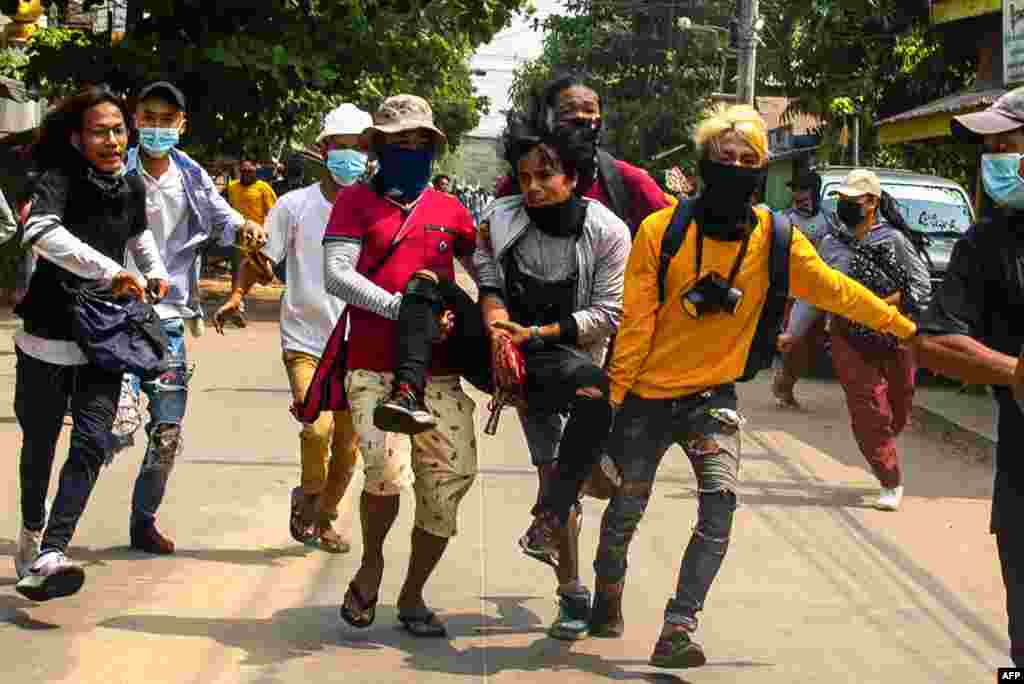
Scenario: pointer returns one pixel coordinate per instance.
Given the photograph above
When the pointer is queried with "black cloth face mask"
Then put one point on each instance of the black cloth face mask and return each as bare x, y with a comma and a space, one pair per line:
850, 212
724, 206
559, 220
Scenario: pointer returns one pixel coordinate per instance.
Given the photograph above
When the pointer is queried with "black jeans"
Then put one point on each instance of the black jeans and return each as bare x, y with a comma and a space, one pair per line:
554, 373
708, 429
41, 398
469, 347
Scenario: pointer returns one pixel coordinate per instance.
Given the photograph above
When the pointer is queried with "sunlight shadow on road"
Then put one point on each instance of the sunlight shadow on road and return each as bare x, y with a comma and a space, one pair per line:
13, 612
308, 631
89, 557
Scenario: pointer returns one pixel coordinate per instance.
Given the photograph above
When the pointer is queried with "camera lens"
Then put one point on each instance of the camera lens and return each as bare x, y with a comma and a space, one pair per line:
693, 303
733, 297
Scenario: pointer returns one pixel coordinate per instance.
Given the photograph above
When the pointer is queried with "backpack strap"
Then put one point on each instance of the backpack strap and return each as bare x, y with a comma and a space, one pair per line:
671, 241
614, 184
769, 325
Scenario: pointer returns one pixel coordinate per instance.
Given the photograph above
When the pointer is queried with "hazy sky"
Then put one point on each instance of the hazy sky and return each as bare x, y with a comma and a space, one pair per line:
515, 44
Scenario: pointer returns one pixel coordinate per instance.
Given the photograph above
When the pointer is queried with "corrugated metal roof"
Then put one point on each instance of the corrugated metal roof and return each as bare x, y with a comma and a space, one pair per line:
952, 104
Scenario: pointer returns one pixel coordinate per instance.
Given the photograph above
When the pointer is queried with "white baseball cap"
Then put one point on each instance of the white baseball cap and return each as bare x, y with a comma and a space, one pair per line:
347, 119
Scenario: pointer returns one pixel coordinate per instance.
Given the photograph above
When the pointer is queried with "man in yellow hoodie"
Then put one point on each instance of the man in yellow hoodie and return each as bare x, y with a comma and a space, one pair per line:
676, 362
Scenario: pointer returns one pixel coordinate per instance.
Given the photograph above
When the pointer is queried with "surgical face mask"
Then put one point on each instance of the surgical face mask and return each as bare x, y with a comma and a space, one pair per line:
1000, 173
346, 166
157, 142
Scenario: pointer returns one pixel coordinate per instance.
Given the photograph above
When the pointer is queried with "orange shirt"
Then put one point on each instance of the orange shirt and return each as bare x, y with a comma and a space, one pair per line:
661, 352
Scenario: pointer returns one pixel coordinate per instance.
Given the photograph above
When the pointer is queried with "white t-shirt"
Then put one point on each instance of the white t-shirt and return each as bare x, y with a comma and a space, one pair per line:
295, 231
165, 213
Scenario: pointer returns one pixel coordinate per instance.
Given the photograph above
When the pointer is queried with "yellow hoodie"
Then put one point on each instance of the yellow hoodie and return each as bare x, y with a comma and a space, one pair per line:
662, 353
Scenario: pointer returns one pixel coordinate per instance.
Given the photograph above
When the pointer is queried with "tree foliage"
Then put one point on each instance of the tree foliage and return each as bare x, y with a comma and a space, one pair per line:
863, 59
257, 72
653, 81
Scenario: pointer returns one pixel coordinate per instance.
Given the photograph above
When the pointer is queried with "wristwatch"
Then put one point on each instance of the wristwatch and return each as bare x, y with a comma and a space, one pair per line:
534, 332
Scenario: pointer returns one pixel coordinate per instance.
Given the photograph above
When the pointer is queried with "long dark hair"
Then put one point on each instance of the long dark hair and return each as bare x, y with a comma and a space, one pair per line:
54, 144
889, 209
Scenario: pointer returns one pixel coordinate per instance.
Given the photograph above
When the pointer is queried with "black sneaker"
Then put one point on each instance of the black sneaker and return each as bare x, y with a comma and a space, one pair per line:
678, 651
404, 412
573, 621
542, 539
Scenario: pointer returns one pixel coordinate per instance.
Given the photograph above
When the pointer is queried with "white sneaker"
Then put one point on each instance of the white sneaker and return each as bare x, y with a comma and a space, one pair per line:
53, 575
28, 551
889, 499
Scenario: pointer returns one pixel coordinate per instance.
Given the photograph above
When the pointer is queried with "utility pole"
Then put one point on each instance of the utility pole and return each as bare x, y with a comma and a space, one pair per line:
747, 65
855, 140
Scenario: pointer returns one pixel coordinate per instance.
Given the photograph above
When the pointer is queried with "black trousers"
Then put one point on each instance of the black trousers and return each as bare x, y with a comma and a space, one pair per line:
41, 397
554, 373
469, 345
1011, 558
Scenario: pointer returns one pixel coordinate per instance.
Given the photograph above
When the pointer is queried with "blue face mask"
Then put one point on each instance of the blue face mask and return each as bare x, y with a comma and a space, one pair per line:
346, 166
1000, 173
157, 142
403, 174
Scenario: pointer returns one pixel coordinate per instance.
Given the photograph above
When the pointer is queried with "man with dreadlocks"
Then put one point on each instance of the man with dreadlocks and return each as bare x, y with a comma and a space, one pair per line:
874, 245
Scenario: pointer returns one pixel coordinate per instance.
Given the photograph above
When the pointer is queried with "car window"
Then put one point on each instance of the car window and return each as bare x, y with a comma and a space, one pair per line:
927, 208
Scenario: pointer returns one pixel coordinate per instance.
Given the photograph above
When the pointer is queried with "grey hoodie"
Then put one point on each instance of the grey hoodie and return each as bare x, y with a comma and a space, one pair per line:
601, 253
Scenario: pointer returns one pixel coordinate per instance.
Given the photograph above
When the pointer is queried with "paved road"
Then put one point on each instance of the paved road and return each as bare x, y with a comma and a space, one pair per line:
817, 586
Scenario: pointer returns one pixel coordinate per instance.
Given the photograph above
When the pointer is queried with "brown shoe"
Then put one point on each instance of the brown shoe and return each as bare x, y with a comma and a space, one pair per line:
146, 537
606, 615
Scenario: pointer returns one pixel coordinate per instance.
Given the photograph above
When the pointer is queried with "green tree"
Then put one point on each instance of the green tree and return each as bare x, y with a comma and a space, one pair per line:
865, 60
654, 81
258, 72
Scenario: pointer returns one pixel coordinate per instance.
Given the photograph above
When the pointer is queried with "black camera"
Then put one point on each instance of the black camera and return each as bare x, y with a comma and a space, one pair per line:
712, 294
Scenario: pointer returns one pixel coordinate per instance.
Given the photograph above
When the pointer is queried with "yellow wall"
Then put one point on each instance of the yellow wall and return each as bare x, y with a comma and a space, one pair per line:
919, 128
945, 11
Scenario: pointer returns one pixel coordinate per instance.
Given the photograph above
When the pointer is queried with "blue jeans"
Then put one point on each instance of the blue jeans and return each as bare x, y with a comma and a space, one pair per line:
708, 428
167, 396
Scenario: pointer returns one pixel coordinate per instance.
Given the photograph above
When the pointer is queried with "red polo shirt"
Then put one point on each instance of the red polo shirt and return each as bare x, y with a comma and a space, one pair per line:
435, 231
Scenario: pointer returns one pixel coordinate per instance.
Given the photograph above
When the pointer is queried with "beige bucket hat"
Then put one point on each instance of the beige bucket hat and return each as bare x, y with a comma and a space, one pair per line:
404, 113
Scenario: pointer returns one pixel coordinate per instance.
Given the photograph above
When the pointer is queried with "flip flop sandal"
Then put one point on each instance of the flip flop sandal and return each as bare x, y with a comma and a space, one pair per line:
302, 529
427, 625
367, 609
330, 541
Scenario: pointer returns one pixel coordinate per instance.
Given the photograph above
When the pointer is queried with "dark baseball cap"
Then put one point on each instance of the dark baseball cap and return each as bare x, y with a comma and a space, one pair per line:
805, 180
1004, 115
166, 90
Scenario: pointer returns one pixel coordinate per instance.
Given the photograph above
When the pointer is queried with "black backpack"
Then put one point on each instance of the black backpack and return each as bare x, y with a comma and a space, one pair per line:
769, 325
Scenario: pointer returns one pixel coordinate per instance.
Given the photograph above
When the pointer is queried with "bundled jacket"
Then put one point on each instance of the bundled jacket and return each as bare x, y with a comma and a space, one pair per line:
837, 254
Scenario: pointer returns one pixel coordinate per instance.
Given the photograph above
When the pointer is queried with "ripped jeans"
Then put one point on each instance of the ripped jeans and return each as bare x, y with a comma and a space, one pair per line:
707, 426
167, 396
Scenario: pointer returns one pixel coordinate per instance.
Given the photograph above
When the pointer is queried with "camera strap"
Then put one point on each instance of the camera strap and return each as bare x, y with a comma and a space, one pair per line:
739, 257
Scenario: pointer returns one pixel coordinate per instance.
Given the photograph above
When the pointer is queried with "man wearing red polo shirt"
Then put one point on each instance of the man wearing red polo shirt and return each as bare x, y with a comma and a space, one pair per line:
380, 235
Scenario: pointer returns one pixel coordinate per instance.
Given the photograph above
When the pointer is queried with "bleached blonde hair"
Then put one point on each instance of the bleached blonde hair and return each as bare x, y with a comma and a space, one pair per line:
743, 120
